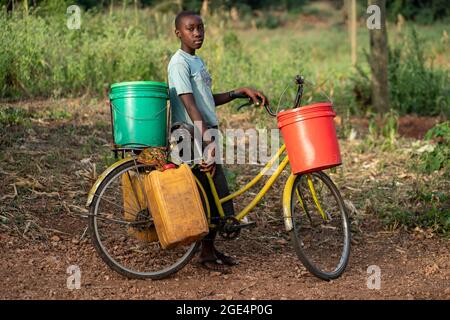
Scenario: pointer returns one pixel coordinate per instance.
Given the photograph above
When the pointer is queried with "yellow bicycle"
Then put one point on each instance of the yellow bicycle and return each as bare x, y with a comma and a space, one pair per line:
123, 232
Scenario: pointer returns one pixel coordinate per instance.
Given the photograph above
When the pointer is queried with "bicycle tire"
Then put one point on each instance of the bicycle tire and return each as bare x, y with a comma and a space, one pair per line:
105, 255
298, 234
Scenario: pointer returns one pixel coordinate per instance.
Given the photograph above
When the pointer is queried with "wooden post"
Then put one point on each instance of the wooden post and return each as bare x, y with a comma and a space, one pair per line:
379, 61
180, 4
204, 10
136, 17
353, 31
25, 5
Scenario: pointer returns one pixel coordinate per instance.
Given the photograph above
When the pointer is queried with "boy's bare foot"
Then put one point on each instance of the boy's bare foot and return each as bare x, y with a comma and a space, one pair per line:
227, 260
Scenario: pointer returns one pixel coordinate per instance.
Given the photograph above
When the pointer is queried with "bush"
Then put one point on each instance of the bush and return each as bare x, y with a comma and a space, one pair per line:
436, 219
421, 11
40, 56
415, 86
13, 117
383, 130
438, 156
268, 21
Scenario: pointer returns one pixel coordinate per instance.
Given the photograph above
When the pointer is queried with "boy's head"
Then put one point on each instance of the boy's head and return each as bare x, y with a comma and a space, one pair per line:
190, 29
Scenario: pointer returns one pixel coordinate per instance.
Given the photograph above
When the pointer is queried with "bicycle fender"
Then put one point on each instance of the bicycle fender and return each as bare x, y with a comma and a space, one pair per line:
102, 177
287, 202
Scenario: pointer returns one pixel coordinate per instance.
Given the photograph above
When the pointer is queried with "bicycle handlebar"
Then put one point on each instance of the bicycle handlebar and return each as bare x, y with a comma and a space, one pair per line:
299, 81
266, 106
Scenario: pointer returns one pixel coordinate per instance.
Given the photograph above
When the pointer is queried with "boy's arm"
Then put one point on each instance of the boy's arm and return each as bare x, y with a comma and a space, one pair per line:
192, 110
222, 98
179, 73
256, 96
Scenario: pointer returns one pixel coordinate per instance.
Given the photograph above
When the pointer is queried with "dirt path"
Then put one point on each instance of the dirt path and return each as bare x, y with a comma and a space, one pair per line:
50, 164
411, 268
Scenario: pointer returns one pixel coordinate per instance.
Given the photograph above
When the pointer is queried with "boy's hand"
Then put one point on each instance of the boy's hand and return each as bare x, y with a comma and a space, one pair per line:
209, 163
258, 97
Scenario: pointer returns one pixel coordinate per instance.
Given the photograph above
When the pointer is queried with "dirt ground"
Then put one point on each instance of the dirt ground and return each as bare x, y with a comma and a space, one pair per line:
47, 170
411, 268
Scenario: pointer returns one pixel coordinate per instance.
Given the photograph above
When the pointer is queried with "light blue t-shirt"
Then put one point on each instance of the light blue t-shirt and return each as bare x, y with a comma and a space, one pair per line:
187, 74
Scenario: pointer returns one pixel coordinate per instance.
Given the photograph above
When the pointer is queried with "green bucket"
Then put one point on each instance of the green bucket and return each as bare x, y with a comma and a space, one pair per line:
139, 113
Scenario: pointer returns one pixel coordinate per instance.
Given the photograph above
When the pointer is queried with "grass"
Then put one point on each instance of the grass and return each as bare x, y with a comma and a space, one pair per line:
13, 117
425, 209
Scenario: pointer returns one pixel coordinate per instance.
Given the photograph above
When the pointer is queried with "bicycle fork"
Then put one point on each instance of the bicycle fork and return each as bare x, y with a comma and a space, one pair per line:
287, 192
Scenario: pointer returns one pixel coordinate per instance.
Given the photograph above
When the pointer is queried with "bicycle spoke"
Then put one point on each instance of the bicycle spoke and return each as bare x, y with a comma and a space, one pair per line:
114, 204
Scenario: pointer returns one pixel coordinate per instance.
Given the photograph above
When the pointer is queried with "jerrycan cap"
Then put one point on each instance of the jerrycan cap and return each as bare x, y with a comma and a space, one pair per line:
168, 166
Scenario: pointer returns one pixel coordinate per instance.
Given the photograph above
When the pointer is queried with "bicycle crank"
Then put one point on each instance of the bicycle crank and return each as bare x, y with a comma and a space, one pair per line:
231, 228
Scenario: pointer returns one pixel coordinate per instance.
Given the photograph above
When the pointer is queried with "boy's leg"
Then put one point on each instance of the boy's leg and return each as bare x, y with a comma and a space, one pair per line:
208, 241
221, 185
209, 254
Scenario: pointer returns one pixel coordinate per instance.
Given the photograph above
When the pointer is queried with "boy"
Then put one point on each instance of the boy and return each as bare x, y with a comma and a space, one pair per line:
193, 102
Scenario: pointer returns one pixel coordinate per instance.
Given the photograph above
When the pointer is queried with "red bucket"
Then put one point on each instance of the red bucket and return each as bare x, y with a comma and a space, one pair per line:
310, 137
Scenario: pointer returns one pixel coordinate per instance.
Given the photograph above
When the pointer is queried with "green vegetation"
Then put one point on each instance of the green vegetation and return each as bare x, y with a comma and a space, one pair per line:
438, 155
416, 84
383, 131
127, 44
13, 117
424, 209
419, 10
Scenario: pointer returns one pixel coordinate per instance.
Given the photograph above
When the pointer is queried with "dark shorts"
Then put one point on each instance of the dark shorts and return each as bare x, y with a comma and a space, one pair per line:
221, 185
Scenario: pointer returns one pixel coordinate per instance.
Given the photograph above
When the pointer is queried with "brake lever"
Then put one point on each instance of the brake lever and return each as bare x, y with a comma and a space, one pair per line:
249, 103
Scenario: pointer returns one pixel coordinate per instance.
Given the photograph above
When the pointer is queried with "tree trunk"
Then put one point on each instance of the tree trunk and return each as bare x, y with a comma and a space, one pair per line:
10, 6
379, 61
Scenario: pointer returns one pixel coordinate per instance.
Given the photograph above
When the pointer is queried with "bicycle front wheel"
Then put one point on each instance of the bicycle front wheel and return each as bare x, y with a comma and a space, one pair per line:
321, 233
122, 230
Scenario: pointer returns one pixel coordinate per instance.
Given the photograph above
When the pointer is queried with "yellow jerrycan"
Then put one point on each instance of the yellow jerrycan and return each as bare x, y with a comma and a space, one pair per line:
134, 204
176, 206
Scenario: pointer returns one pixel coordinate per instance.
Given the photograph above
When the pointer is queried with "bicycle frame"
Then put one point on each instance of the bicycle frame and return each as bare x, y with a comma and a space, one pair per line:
249, 185
286, 194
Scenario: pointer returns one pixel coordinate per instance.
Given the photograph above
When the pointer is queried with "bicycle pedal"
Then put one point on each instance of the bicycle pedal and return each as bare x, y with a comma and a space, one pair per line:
246, 225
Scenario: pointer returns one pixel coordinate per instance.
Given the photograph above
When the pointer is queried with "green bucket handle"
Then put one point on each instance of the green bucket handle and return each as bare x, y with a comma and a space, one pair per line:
133, 118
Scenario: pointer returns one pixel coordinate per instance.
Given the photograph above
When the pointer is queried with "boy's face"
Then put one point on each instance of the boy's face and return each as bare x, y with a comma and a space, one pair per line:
191, 32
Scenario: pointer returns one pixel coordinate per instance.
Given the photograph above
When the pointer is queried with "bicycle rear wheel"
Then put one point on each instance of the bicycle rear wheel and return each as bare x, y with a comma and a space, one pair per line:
122, 230
321, 232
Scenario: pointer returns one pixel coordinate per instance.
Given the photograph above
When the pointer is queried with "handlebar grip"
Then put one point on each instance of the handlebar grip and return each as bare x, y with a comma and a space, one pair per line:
249, 103
266, 106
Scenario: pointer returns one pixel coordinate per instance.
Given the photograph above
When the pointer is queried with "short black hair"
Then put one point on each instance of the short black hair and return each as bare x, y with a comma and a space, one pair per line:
182, 15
